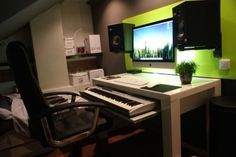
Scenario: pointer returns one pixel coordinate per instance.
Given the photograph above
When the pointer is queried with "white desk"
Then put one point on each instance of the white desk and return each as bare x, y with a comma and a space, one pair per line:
173, 103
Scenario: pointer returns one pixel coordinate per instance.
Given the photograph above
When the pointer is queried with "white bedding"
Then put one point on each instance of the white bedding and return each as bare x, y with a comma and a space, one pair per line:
18, 114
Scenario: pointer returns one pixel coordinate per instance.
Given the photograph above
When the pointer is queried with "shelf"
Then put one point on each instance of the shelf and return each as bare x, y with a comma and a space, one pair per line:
82, 56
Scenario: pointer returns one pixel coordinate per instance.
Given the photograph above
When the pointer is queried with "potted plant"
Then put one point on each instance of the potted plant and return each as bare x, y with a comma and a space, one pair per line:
185, 70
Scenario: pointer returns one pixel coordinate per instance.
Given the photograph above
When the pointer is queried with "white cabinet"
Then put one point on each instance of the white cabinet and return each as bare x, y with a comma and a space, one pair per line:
69, 19
50, 61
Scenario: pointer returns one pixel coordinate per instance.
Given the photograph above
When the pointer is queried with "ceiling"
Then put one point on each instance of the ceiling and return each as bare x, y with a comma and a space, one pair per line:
17, 13
11, 7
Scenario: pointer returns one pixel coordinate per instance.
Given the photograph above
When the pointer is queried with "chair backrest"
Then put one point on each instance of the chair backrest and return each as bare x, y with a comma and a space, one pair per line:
61, 129
27, 85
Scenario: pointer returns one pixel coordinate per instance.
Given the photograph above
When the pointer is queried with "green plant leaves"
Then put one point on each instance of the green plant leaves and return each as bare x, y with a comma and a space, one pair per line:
186, 67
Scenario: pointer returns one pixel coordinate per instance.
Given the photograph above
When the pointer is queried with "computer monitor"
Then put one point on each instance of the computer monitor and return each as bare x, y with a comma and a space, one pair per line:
153, 42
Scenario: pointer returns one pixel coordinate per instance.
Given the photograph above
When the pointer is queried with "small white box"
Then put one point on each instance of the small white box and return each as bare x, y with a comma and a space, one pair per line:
69, 43
93, 44
70, 52
95, 73
79, 78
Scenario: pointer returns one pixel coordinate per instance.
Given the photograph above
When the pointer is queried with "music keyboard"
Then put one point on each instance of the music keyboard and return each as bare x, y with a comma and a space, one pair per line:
121, 102
132, 81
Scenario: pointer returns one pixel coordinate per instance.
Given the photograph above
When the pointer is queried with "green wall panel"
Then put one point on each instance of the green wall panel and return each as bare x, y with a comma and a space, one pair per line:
208, 66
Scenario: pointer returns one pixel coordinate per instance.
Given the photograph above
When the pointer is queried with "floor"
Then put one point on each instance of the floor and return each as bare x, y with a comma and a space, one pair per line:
135, 144
141, 141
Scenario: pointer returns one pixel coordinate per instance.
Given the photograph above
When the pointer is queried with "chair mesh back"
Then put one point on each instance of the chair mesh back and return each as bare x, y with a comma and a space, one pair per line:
24, 78
27, 85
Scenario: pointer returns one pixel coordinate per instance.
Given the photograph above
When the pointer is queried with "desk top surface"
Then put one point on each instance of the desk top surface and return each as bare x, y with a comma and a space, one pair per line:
198, 84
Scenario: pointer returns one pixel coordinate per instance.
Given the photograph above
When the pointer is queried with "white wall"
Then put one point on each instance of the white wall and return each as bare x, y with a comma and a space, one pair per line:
72, 19
48, 43
76, 20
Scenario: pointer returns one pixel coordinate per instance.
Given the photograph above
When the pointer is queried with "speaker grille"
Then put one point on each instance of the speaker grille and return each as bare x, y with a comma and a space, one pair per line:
196, 25
120, 37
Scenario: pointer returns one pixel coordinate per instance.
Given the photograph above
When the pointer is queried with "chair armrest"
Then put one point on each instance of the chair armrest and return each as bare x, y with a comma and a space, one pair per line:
61, 93
81, 135
65, 93
62, 107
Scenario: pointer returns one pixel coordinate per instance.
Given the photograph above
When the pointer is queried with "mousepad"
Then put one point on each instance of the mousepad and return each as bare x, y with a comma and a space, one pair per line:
162, 88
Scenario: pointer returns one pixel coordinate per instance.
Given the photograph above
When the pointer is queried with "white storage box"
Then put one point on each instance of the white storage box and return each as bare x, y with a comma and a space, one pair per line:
69, 47
93, 44
79, 78
70, 52
95, 73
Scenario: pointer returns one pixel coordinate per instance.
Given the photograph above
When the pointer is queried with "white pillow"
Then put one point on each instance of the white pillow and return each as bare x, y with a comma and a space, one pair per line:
18, 114
5, 114
5, 107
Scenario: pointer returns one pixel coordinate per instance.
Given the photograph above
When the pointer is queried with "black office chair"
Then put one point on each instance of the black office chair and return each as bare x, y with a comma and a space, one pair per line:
55, 125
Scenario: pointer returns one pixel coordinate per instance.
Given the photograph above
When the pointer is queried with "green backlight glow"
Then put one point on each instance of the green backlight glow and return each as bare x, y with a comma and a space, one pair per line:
208, 66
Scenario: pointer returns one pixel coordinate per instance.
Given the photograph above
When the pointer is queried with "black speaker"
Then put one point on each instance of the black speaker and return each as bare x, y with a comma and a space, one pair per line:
196, 25
120, 37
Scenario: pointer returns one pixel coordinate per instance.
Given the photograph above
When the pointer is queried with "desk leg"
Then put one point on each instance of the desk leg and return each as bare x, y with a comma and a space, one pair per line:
171, 128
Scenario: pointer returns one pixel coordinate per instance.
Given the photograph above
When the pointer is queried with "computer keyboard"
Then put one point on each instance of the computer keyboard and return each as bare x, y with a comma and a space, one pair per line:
132, 80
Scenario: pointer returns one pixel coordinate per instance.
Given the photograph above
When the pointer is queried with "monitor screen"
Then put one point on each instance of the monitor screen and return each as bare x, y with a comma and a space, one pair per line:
154, 42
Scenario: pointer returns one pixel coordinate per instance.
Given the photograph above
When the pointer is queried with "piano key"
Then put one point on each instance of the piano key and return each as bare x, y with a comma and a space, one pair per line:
122, 102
